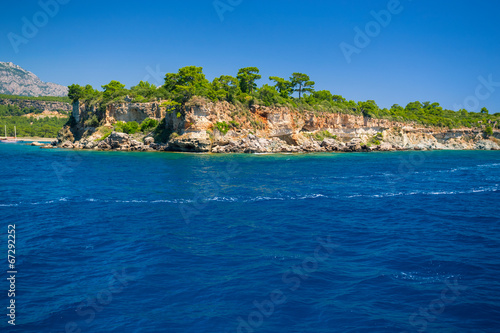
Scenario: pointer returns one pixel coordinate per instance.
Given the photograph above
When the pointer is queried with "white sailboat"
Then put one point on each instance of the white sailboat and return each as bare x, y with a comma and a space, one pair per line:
7, 140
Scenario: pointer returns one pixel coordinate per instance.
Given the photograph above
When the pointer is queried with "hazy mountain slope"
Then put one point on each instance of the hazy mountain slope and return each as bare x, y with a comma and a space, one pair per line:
14, 80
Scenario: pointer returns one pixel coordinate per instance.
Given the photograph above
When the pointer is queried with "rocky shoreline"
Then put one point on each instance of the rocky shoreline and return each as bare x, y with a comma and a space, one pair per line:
223, 128
251, 145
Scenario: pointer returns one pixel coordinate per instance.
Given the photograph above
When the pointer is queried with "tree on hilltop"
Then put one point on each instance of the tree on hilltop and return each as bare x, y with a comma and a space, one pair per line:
247, 77
75, 92
301, 83
113, 90
284, 87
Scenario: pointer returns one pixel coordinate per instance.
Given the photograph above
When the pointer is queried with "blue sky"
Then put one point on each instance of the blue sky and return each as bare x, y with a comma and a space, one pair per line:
430, 51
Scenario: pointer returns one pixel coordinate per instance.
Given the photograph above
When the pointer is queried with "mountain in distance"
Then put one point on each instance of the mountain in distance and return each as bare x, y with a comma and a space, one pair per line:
15, 80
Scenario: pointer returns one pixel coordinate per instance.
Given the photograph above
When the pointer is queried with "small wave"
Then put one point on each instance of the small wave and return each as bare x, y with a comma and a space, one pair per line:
422, 278
385, 195
264, 199
464, 168
222, 199
131, 201
312, 196
492, 165
42, 203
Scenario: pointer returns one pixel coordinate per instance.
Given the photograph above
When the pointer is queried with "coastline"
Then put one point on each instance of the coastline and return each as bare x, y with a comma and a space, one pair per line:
206, 127
315, 148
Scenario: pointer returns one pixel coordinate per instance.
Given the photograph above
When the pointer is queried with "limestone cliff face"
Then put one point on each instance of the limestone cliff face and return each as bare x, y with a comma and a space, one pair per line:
134, 112
39, 105
262, 128
118, 112
203, 126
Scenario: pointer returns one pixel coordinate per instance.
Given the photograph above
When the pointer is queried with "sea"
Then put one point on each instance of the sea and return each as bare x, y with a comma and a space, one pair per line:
172, 242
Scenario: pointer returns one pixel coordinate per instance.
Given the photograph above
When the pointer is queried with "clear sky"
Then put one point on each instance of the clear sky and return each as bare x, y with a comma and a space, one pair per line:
429, 51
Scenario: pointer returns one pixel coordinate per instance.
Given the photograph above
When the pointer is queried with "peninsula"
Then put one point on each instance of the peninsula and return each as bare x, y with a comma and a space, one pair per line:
232, 115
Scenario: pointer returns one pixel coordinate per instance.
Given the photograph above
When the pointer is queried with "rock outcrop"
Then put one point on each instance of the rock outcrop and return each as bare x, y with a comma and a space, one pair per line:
39, 105
133, 112
203, 126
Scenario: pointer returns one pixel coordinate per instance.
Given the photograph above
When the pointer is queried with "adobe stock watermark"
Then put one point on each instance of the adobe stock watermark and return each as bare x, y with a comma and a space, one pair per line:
205, 195
224, 6
62, 169
449, 295
372, 29
406, 168
484, 90
155, 74
92, 305
30, 28
293, 277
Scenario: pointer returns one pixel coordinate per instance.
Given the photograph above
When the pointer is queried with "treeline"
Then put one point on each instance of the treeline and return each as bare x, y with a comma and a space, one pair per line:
32, 127
42, 98
12, 115
295, 92
14, 110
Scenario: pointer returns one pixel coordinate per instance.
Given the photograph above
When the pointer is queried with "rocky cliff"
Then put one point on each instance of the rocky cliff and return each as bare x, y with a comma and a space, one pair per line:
15, 80
39, 105
203, 126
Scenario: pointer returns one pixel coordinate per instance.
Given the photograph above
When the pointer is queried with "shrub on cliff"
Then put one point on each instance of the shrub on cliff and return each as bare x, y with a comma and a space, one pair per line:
488, 131
148, 125
92, 122
104, 132
322, 135
222, 127
131, 127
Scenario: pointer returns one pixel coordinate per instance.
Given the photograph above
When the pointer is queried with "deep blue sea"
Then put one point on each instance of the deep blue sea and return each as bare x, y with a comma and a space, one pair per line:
165, 242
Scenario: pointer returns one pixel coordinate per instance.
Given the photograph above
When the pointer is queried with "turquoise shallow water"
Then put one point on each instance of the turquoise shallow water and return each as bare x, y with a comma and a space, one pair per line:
139, 242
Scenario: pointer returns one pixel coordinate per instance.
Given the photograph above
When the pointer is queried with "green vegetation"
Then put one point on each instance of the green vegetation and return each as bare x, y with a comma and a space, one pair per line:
320, 136
41, 98
161, 133
92, 122
105, 132
247, 77
173, 135
131, 127
234, 124
223, 127
149, 125
296, 92
31, 127
488, 131
301, 83
375, 140
14, 110
12, 115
